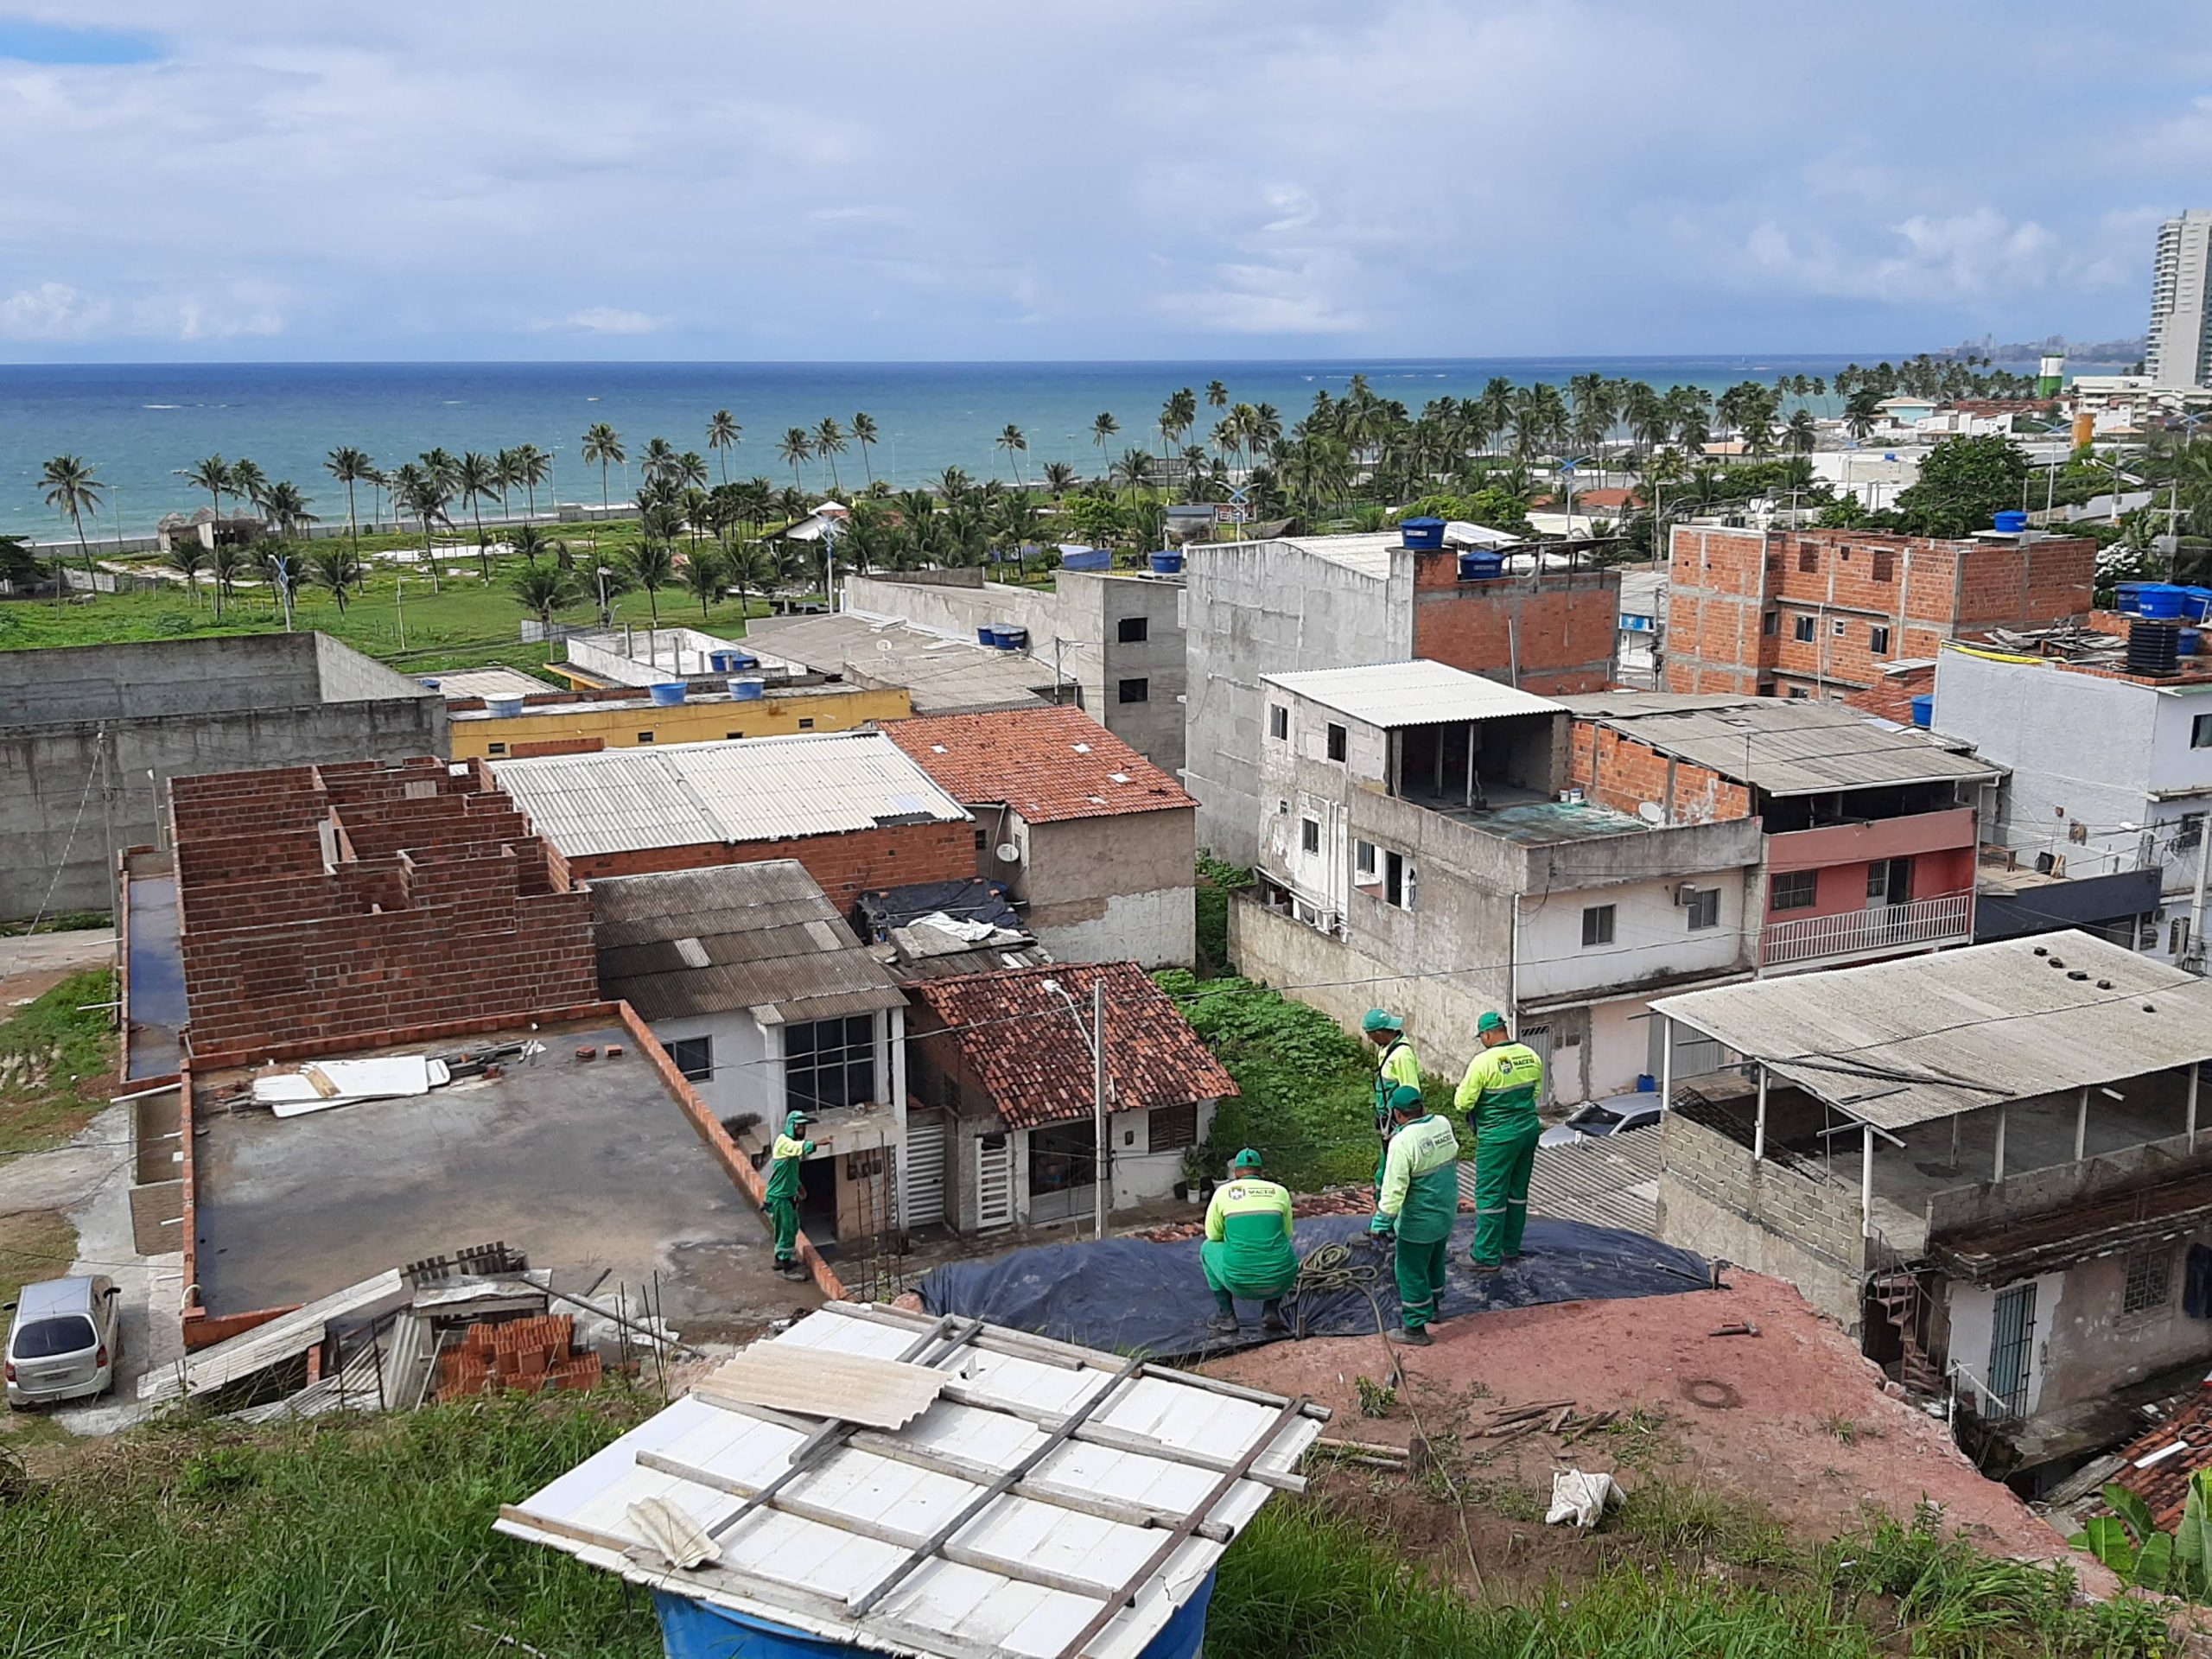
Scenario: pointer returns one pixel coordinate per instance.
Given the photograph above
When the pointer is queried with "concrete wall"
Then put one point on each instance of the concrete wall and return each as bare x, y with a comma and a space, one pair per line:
742, 1081
1115, 889
1651, 936
171, 709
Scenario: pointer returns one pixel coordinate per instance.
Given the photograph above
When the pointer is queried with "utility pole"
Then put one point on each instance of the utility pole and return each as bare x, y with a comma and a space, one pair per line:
1101, 1178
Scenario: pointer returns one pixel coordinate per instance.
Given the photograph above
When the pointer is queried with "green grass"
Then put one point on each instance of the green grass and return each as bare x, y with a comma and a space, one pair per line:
57, 1060
68, 921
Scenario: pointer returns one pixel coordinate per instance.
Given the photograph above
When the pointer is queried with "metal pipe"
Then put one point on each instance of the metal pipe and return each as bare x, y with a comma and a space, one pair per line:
1758, 1127
2194, 1068
1100, 1176
2081, 1126
1866, 1181
1997, 1170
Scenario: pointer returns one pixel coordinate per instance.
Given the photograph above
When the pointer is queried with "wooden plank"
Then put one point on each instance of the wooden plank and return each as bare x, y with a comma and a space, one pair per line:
1007, 1566
818, 1382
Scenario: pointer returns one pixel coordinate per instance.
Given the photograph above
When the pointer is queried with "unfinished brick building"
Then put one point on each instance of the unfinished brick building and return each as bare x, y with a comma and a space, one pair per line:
327, 906
1827, 612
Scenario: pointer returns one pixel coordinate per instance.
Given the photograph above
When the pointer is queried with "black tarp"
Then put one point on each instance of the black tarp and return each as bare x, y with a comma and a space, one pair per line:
1132, 1294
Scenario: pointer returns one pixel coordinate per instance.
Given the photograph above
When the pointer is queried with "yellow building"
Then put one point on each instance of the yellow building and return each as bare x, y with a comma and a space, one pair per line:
564, 722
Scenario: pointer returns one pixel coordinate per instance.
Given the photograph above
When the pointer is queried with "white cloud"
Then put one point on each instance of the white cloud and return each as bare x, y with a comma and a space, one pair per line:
601, 319
52, 311
1964, 258
55, 311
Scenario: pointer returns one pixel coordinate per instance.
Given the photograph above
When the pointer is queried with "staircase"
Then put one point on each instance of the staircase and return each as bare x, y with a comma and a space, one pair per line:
1899, 1296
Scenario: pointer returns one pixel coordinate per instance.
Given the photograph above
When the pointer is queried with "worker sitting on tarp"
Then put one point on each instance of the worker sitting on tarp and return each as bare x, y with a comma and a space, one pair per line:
1499, 1096
1419, 1200
1394, 1067
784, 1191
1248, 1251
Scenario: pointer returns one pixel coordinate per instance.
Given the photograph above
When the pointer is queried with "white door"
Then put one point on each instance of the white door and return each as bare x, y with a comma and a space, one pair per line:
993, 1181
924, 1170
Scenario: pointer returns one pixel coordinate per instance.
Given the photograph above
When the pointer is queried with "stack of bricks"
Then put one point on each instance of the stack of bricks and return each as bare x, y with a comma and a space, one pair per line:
519, 1356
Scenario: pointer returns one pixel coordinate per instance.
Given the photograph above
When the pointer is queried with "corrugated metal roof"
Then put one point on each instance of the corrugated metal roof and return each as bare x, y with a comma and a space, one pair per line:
942, 675
1077, 1517
1418, 693
1796, 746
489, 682
1899, 1043
758, 936
1609, 1180
750, 789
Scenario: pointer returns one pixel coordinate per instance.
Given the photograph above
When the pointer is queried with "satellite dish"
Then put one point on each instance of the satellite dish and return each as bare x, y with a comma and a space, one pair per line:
1651, 812
1006, 853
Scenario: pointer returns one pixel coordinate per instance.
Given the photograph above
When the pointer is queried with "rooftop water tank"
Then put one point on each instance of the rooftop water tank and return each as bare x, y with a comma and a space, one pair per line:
2188, 642
744, 690
2129, 599
1088, 558
2011, 524
2158, 601
668, 693
987, 635
1924, 709
1422, 535
503, 705
2194, 602
1167, 562
1481, 564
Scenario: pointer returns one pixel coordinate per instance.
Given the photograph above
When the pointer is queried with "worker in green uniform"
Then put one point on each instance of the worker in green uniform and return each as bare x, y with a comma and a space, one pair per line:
1420, 1198
1396, 1067
1499, 1095
1248, 1250
784, 1193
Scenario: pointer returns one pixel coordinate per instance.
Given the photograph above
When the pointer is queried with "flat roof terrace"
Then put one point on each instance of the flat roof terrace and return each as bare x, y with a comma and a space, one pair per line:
591, 1168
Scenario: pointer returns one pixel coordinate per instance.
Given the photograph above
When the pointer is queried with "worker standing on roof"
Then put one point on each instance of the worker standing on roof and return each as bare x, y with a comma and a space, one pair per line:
784, 1191
1420, 1198
1248, 1251
1396, 1068
1499, 1096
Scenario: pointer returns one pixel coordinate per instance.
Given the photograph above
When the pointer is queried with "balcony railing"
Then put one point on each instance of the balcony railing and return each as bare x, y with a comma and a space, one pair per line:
1885, 927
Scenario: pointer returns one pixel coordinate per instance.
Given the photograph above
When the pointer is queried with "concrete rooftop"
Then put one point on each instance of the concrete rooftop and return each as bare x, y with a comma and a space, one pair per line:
590, 1168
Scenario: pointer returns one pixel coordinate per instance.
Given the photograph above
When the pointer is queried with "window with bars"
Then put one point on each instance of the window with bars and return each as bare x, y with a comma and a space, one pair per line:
2150, 1279
1172, 1128
1703, 905
1795, 890
829, 1063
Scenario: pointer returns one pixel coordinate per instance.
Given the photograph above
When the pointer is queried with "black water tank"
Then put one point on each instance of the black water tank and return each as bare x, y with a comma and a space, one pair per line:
2152, 647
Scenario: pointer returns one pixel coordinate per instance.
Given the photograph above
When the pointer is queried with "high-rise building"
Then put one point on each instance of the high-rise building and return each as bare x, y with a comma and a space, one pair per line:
2180, 355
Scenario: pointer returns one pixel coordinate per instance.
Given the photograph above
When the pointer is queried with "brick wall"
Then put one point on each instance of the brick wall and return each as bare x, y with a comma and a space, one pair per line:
1562, 629
1810, 1216
843, 866
1620, 772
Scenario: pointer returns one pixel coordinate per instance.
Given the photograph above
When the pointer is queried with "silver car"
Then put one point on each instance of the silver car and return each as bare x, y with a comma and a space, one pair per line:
1612, 1115
64, 1340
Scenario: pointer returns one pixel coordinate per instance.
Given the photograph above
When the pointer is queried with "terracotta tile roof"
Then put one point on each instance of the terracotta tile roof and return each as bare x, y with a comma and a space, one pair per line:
2164, 1485
1034, 1058
1047, 763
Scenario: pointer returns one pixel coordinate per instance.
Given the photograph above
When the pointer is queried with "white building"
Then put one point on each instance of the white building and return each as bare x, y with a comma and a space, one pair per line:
2179, 358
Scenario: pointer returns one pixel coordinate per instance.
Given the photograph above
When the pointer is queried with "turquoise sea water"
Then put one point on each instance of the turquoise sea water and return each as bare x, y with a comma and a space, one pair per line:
139, 424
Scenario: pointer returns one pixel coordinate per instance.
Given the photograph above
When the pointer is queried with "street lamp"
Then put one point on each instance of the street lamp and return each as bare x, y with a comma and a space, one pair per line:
1095, 1039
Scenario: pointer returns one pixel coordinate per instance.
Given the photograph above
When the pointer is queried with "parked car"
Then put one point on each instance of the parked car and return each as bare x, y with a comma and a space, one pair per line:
1612, 1115
64, 1342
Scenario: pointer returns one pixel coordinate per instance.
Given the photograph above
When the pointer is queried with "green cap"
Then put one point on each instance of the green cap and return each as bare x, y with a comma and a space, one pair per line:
1405, 1098
794, 1120
1247, 1158
1491, 1021
1375, 1019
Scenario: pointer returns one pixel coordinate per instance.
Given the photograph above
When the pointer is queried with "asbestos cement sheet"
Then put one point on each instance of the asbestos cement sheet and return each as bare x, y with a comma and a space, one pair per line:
850, 1387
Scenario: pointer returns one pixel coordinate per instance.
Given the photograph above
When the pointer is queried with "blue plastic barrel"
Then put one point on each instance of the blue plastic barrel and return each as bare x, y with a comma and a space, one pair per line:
744, 690
1167, 562
2129, 598
2195, 602
2012, 523
1481, 564
1924, 709
987, 635
1423, 535
2160, 601
668, 693
2187, 644
1011, 639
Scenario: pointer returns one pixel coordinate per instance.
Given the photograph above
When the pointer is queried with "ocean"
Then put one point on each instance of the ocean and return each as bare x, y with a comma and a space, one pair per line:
140, 425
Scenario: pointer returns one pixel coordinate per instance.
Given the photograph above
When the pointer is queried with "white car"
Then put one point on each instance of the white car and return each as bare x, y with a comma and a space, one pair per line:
1612, 1115
66, 1339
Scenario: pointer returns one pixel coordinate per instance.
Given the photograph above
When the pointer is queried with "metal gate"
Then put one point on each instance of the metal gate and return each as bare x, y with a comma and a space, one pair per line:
1539, 1037
993, 1181
924, 1170
2012, 1339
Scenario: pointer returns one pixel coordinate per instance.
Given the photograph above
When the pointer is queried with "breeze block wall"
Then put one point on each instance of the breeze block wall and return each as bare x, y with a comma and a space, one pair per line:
320, 904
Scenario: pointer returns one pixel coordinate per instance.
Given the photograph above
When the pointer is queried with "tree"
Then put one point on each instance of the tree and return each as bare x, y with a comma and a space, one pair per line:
1962, 482
1102, 427
830, 443
286, 507
530, 541
213, 475
225, 565
750, 569
797, 446
249, 480
532, 467
1014, 446
1133, 471
1216, 395
1861, 409
865, 435
186, 557
702, 576
603, 449
1799, 436
1060, 477
415, 491
543, 589
350, 466
650, 566
336, 569
1015, 516
656, 459
73, 491
724, 435
475, 479
17, 562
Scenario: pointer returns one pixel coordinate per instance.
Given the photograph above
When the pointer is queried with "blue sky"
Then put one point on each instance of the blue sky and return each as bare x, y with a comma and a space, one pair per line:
300, 179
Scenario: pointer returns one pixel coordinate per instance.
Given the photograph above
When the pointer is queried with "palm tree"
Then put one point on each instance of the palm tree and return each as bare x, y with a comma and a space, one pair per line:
954, 484
1860, 411
603, 449
224, 566
1133, 471
1060, 477
688, 471
350, 466
532, 464
249, 480
865, 435
530, 541
213, 475
71, 490
475, 479
1216, 395
724, 435
1103, 427
186, 556
657, 460
1011, 441
1798, 436
336, 569
828, 444
543, 589
796, 446
286, 507
751, 568
650, 566
416, 491
702, 576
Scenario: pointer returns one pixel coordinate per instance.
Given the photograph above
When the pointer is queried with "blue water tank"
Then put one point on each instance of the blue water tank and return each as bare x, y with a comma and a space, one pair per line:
744, 690
987, 635
428, 685
2188, 643
503, 705
2011, 524
2195, 602
2160, 601
1167, 562
668, 693
2129, 598
1423, 535
1924, 709
1007, 639
1088, 558
732, 662
1481, 564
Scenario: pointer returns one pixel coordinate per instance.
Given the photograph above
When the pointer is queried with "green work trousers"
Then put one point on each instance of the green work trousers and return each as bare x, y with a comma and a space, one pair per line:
1505, 1153
783, 1217
1256, 1281
1421, 1279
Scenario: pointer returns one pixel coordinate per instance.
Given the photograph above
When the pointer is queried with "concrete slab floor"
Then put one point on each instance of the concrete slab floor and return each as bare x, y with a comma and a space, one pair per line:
590, 1168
